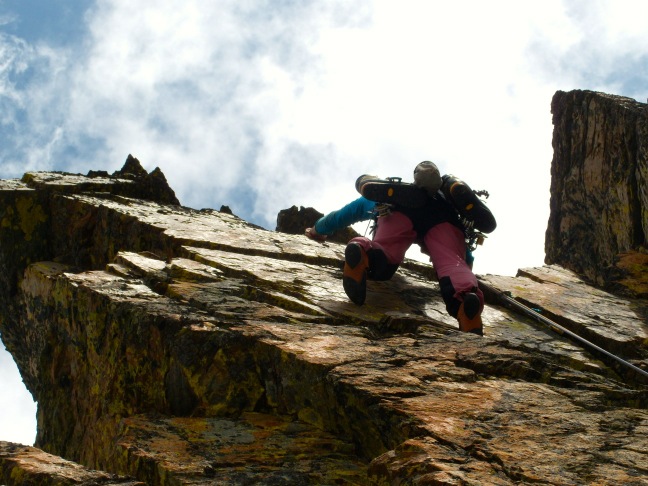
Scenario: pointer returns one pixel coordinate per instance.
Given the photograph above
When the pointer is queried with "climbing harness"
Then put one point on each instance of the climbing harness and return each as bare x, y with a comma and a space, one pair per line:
507, 299
474, 237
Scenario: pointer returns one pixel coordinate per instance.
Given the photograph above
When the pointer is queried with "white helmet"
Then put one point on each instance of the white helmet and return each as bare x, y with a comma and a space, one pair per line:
426, 176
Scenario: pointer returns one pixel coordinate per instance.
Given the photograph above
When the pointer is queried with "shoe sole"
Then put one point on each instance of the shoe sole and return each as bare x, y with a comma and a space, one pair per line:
469, 316
471, 305
354, 280
398, 193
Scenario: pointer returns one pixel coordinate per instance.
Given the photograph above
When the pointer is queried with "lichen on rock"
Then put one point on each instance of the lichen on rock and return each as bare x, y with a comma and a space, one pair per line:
168, 345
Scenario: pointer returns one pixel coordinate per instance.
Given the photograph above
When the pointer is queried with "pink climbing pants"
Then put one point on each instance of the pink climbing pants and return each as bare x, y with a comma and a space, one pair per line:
444, 242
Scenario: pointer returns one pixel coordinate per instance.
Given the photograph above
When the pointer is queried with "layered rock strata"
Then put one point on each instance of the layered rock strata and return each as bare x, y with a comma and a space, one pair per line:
173, 346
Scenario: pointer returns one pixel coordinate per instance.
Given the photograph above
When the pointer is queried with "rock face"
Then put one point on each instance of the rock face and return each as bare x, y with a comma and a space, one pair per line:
599, 188
170, 346
25, 465
293, 221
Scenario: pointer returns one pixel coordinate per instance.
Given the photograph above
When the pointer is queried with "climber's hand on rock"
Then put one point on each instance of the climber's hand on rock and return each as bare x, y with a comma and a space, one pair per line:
314, 235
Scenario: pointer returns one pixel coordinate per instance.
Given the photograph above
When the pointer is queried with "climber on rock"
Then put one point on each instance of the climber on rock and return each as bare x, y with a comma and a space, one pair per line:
442, 214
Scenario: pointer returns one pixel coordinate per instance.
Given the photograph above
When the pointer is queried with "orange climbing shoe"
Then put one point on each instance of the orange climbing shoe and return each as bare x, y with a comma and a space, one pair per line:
354, 280
469, 315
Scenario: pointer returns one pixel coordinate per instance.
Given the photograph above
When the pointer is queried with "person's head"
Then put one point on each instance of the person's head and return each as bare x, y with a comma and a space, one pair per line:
426, 176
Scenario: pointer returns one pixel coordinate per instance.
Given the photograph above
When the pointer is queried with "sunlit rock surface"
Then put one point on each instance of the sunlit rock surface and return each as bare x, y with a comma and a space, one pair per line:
26, 465
180, 347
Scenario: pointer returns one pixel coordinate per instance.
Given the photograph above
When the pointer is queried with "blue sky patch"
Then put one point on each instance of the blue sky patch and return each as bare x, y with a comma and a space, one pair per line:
56, 22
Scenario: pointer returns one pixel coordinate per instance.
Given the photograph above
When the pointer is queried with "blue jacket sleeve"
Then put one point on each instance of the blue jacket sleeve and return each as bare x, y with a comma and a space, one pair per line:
359, 210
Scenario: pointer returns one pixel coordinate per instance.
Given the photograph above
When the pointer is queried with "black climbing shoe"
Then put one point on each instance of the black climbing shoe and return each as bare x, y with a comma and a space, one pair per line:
354, 280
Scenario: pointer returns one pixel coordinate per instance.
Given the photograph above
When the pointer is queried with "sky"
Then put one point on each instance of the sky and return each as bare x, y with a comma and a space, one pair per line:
262, 105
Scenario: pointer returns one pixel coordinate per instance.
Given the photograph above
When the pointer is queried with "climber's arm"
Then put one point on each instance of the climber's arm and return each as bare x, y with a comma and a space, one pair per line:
359, 210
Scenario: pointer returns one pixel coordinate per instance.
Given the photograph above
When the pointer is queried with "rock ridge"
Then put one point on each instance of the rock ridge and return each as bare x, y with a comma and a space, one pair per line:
166, 345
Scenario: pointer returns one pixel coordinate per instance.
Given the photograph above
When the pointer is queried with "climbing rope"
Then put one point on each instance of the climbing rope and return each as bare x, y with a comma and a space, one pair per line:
507, 299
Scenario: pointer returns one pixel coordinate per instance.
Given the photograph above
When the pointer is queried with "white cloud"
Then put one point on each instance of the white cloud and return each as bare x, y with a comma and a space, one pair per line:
18, 417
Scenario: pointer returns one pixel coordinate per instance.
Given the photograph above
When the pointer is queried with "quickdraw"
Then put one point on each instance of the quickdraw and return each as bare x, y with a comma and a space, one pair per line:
383, 209
380, 210
474, 238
